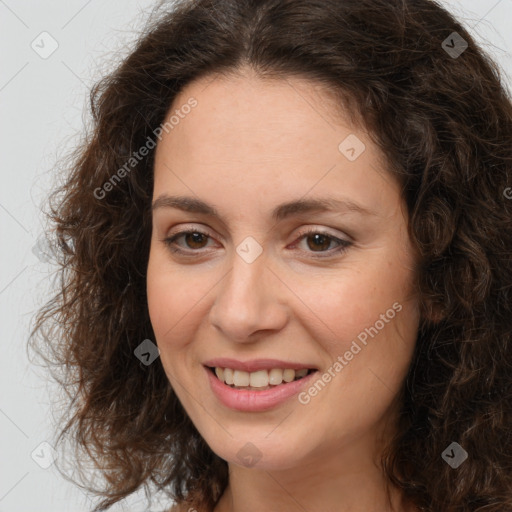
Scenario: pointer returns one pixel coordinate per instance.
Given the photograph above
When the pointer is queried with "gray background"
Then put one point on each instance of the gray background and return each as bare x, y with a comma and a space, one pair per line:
43, 104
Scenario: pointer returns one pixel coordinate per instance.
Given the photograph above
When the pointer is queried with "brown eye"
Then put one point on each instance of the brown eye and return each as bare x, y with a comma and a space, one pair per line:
320, 241
194, 240
317, 242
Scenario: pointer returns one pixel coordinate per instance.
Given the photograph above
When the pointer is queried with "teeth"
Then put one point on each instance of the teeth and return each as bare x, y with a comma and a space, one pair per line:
261, 379
228, 376
258, 379
288, 375
275, 376
241, 378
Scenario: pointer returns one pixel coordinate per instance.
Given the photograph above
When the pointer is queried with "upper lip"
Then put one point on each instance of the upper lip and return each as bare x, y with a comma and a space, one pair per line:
255, 364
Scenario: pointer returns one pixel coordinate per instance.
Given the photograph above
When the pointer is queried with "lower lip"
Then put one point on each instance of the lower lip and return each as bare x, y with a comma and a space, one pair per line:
254, 401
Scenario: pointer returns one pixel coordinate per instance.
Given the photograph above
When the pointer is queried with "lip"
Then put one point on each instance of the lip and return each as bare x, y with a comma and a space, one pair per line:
255, 401
255, 364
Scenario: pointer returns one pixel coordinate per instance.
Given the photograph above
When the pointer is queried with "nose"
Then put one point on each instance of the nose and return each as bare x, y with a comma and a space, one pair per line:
250, 298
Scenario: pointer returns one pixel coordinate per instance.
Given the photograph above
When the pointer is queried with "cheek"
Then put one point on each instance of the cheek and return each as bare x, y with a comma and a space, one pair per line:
355, 298
369, 319
165, 306
175, 300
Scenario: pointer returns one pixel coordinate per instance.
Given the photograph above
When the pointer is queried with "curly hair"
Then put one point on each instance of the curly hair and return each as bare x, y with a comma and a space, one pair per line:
443, 121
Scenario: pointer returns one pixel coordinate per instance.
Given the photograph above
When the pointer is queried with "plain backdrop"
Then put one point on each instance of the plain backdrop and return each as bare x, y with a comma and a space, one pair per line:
52, 52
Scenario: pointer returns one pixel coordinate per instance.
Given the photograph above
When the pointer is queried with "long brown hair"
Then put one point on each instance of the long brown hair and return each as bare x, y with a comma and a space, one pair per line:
441, 115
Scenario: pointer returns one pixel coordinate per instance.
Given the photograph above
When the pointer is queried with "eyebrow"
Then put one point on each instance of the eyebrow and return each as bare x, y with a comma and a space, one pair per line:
280, 212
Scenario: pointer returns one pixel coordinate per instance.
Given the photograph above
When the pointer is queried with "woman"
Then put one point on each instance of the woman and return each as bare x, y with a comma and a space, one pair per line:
286, 263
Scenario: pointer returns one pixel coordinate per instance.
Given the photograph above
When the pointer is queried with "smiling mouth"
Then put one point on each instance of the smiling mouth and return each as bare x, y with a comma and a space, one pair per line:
259, 380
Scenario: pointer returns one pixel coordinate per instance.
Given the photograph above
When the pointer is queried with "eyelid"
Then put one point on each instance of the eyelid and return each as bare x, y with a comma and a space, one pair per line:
184, 229
309, 229
325, 231
343, 244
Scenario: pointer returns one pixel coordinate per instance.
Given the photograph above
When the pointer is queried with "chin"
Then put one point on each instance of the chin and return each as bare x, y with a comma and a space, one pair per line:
258, 453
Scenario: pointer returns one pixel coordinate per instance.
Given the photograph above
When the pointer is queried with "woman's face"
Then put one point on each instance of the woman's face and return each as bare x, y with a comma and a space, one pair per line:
256, 288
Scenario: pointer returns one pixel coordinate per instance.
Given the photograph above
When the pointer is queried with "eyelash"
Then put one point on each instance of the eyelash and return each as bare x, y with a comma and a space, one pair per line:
343, 244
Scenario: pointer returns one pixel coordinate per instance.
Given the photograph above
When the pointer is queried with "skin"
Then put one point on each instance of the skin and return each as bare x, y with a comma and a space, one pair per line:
248, 146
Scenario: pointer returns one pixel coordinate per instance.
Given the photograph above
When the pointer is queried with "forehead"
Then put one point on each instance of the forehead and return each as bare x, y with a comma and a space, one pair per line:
275, 137
246, 108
